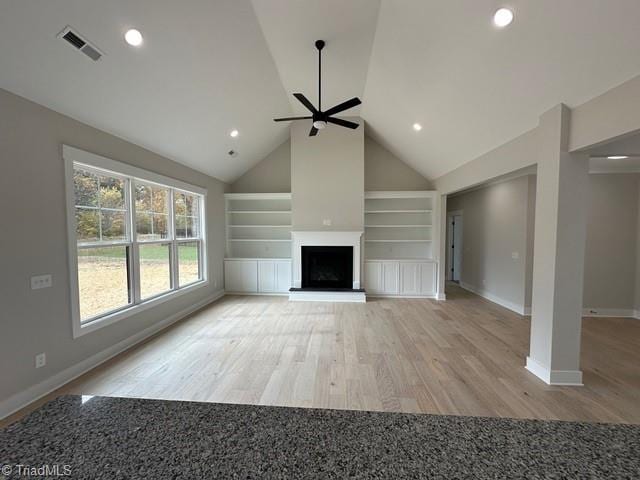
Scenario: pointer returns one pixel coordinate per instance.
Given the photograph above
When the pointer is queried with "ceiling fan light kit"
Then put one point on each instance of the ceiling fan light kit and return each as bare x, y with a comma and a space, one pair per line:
318, 117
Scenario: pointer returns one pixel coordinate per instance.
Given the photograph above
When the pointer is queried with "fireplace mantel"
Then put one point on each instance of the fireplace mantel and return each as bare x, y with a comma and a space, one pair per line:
326, 238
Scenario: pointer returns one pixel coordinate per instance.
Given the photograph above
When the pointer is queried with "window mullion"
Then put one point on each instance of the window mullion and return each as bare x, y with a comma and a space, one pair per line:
99, 195
133, 238
173, 257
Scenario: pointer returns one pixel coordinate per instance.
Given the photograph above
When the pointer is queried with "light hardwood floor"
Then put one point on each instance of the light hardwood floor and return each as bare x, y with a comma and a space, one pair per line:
463, 356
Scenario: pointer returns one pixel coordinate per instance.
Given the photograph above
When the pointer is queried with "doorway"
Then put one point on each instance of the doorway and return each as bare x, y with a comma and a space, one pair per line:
454, 234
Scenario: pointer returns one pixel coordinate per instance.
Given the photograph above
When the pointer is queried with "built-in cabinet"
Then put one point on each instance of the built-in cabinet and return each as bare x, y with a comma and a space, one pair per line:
400, 232
258, 251
400, 278
257, 276
400, 228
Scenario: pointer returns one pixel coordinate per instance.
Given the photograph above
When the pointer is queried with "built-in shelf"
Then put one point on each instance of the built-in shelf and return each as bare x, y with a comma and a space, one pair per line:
247, 259
399, 225
258, 211
259, 240
398, 241
399, 259
258, 225
398, 211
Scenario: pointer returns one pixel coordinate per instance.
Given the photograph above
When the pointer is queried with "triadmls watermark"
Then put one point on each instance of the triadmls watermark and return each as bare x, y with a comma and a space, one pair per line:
36, 471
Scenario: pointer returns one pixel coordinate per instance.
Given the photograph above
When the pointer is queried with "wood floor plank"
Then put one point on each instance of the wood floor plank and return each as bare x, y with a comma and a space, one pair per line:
464, 356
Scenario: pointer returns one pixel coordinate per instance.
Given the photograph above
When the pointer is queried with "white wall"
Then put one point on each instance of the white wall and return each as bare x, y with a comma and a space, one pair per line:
327, 177
32, 192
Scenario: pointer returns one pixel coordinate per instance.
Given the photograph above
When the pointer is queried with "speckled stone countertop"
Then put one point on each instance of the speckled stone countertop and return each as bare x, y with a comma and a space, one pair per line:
115, 438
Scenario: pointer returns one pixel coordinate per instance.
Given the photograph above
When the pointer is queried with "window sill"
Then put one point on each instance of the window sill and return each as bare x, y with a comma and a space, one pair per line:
80, 329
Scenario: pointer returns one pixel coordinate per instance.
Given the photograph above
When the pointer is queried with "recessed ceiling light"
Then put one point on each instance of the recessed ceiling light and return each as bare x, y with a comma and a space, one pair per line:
617, 157
133, 37
503, 17
417, 127
234, 133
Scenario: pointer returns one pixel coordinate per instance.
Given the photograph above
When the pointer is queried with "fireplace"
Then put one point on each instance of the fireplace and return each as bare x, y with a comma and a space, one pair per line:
327, 267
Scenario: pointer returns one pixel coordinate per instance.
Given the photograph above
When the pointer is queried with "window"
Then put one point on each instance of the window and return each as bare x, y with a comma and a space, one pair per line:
137, 238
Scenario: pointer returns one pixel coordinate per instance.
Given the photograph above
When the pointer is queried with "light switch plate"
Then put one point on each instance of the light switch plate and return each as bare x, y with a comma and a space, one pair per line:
41, 281
515, 255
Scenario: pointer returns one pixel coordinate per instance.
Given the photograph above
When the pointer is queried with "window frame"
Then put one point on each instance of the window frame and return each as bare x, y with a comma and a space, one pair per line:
131, 175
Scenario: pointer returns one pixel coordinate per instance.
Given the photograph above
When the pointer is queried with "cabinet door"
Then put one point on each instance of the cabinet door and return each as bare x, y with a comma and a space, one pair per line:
410, 278
241, 276
373, 282
390, 278
283, 276
428, 278
267, 277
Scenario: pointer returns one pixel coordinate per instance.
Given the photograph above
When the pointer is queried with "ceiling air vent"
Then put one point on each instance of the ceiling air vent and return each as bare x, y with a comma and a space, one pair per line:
74, 39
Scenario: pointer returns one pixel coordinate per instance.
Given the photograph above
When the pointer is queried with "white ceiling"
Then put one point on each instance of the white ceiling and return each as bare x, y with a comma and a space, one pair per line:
204, 69
474, 87
209, 66
348, 28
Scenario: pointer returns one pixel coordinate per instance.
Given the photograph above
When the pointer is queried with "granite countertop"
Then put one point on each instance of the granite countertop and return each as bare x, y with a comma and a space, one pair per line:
114, 438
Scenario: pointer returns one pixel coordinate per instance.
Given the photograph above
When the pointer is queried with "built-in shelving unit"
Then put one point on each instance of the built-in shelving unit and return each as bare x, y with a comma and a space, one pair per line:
258, 225
399, 225
258, 253
399, 250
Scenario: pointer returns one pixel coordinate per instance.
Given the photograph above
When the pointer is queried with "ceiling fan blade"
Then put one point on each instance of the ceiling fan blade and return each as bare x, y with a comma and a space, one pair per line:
287, 119
313, 132
342, 123
305, 101
355, 101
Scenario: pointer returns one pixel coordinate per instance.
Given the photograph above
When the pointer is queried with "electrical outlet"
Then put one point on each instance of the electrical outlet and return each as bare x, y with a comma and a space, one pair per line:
515, 255
41, 360
326, 222
41, 281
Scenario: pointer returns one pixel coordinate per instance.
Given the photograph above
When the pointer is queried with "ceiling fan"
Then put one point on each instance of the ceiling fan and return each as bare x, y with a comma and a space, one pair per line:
320, 118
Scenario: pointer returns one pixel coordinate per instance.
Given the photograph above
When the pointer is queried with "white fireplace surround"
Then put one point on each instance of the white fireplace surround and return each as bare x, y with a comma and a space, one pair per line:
323, 239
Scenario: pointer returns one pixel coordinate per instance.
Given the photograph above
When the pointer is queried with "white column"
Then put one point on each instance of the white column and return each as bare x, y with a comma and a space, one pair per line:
558, 258
441, 244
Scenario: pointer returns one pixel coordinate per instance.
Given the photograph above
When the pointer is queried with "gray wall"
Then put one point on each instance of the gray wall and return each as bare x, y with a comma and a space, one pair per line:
327, 178
610, 259
382, 171
271, 175
495, 225
499, 219
32, 192
385, 171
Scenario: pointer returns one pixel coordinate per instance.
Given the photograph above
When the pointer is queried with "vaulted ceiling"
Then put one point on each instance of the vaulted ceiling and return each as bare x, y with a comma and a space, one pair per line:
207, 67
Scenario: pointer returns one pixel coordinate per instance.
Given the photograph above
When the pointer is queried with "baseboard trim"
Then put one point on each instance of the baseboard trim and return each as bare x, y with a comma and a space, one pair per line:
567, 378
22, 399
519, 309
611, 312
